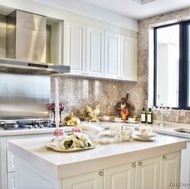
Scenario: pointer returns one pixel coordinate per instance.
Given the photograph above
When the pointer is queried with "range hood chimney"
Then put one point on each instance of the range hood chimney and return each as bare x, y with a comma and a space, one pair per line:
26, 37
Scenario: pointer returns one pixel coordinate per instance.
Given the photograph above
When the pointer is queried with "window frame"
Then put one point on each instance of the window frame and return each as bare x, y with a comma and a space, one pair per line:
184, 88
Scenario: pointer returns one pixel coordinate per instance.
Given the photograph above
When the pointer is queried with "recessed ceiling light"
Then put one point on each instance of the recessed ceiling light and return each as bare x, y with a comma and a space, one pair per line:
143, 1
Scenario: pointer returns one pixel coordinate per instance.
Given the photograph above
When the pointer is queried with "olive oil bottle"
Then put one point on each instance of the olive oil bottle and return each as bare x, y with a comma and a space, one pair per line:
149, 116
143, 115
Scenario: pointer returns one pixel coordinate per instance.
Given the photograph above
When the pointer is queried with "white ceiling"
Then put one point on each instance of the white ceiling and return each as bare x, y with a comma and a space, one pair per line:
137, 11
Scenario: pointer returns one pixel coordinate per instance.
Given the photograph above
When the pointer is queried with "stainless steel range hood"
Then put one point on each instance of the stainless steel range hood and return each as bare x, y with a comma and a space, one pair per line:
27, 45
30, 68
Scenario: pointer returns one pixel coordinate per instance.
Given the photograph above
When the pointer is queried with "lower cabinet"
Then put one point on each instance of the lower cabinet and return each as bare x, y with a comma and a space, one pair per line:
148, 174
140, 175
162, 172
3, 177
170, 175
7, 164
121, 177
93, 180
185, 167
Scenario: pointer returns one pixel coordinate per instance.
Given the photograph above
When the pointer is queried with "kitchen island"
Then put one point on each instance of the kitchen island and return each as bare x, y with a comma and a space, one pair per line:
154, 164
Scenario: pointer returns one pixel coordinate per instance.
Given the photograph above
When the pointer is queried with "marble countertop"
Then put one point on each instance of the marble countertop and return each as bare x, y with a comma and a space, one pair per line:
61, 165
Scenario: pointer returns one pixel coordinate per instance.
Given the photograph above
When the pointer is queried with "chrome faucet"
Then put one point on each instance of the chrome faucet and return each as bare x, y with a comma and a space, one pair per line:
162, 109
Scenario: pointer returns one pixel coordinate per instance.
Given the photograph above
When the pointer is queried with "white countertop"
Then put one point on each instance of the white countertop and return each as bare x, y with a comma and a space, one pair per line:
168, 129
61, 165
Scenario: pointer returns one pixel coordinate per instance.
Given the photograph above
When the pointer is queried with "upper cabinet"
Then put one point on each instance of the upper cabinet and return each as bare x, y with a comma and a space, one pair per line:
128, 58
112, 55
93, 51
74, 47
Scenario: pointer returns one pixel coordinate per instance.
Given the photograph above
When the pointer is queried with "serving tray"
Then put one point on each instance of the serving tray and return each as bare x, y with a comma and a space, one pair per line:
54, 146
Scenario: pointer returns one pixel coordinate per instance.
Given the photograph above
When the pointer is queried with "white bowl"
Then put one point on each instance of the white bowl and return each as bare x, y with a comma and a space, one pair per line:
92, 131
106, 118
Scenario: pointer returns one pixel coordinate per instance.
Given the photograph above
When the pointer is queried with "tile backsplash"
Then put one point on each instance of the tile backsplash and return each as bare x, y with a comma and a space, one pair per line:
77, 92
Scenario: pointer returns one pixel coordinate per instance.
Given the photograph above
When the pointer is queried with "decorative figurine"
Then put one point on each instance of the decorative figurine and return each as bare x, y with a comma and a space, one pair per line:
93, 113
123, 107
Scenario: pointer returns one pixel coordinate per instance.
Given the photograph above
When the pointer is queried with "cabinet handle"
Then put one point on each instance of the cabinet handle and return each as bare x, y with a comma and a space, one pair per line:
101, 173
164, 157
140, 163
134, 164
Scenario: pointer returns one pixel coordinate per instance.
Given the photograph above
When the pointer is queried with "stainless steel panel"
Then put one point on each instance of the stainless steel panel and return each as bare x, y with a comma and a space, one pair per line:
2, 36
24, 96
26, 36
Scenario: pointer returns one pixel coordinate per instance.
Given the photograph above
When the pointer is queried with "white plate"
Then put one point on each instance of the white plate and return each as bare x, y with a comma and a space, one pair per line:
57, 148
143, 139
131, 121
146, 136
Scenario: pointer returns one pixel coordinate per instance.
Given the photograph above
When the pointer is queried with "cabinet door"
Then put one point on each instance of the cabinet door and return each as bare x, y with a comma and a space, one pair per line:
11, 181
74, 47
93, 180
148, 174
185, 166
112, 55
95, 52
120, 177
170, 172
3, 175
10, 155
128, 58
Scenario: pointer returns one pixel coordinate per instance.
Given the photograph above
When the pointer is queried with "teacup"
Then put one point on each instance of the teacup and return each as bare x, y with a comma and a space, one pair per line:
117, 119
128, 129
114, 129
125, 135
131, 119
106, 118
145, 130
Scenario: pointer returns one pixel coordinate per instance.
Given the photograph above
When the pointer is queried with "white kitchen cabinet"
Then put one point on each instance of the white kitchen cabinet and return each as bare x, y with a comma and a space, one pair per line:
148, 174
185, 167
95, 52
120, 57
128, 58
74, 47
140, 175
3, 176
120, 177
170, 171
7, 164
11, 181
93, 180
112, 55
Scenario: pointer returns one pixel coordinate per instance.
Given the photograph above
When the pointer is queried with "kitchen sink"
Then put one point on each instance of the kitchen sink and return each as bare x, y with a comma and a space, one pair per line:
183, 130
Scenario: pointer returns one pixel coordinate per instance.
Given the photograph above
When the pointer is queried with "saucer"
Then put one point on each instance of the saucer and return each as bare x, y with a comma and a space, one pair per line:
131, 121
146, 136
143, 139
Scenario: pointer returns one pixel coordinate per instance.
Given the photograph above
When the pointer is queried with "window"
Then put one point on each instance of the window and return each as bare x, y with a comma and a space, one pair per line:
172, 65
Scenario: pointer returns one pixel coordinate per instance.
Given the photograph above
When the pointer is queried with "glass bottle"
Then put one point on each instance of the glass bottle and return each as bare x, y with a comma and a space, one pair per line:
150, 116
143, 115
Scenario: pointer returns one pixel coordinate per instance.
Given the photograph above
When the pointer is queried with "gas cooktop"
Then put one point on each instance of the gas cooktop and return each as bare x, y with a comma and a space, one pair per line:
26, 124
